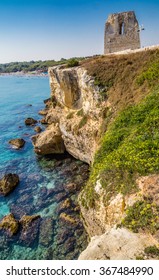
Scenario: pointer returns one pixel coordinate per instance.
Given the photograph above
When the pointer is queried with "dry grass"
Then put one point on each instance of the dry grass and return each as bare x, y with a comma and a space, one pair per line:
119, 74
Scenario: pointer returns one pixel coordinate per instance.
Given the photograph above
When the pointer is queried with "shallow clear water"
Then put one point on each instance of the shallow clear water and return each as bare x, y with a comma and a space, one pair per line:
42, 180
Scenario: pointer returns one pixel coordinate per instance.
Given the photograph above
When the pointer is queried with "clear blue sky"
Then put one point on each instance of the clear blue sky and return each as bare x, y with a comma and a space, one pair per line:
52, 29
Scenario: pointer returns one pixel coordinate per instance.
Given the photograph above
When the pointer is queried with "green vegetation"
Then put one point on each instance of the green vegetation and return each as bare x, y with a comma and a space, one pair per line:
129, 148
142, 215
82, 122
150, 75
70, 115
139, 258
41, 66
72, 62
152, 251
80, 113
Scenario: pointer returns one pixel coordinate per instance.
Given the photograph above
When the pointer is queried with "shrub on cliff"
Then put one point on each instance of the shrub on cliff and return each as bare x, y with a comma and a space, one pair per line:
72, 62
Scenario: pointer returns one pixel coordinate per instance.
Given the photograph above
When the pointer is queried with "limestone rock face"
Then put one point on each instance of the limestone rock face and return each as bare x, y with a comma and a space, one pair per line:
17, 143
8, 183
103, 215
49, 141
117, 244
77, 109
65, 87
9, 224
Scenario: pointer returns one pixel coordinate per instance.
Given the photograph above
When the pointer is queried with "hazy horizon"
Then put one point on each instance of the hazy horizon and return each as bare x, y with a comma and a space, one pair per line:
52, 29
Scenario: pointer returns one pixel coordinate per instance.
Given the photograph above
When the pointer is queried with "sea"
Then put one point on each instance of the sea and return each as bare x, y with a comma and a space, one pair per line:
48, 187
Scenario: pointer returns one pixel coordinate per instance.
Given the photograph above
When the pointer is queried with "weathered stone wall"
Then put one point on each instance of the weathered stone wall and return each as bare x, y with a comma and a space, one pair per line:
121, 32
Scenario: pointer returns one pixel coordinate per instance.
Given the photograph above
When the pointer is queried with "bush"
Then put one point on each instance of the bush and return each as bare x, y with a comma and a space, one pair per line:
152, 250
141, 215
72, 62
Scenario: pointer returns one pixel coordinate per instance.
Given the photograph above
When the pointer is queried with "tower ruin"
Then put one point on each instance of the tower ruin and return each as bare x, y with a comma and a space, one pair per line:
121, 32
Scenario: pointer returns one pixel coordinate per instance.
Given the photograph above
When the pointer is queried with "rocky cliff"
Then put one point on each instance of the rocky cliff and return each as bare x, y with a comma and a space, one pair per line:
99, 114
77, 111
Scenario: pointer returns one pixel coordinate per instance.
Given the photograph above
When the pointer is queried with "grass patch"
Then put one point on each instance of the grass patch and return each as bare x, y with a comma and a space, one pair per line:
70, 116
129, 148
151, 75
80, 113
82, 122
152, 251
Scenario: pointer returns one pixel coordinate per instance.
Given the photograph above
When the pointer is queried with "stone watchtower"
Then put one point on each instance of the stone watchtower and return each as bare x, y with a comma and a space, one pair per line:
121, 32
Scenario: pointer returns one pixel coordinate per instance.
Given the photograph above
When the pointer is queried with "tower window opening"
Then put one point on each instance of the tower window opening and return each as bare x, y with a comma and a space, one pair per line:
122, 28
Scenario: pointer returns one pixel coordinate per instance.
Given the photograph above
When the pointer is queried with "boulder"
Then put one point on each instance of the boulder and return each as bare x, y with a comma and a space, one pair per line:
43, 121
9, 224
43, 112
30, 121
17, 143
38, 129
8, 183
27, 220
49, 141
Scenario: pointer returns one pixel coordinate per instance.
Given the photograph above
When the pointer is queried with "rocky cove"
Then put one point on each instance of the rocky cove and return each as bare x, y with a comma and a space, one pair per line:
39, 213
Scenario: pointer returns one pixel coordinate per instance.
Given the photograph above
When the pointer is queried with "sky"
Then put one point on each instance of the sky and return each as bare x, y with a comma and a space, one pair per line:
55, 29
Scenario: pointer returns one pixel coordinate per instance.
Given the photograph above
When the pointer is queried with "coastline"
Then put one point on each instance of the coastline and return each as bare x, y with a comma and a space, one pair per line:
28, 74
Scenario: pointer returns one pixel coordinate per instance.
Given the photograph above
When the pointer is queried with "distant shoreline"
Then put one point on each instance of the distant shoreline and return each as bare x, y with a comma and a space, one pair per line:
30, 74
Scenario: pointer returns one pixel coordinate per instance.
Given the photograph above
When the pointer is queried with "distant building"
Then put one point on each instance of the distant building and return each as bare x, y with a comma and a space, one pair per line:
121, 32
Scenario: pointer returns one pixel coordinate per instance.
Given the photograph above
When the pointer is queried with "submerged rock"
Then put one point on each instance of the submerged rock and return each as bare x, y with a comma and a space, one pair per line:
8, 183
30, 229
68, 220
9, 224
49, 141
18, 143
30, 121
46, 232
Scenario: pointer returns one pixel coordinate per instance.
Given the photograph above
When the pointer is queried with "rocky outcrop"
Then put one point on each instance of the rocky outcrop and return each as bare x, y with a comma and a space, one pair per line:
77, 112
8, 183
49, 142
17, 143
117, 244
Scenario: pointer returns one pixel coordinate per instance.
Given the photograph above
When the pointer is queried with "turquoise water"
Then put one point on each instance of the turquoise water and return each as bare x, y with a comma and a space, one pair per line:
42, 180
